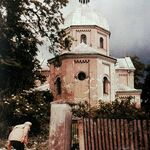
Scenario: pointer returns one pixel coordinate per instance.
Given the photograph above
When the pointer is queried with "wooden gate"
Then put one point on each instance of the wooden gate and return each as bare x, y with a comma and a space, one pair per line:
116, 134
75, 135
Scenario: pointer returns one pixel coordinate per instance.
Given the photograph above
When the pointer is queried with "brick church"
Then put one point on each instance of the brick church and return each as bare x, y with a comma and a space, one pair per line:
87, 72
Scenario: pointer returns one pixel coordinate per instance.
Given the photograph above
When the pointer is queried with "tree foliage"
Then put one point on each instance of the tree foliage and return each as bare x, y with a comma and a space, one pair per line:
115, 110
33, 106
142, 80
146, 90
24, 25
139, 72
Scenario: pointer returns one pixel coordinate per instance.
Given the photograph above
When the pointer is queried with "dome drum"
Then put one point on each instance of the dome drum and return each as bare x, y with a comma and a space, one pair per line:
90, 35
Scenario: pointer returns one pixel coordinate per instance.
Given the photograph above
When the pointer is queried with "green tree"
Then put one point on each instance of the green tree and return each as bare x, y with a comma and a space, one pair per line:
146, 90
118, 109
139, 72
30, 105
24, 25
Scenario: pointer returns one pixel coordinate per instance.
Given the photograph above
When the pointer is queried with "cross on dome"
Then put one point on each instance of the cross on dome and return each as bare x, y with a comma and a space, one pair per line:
84, 1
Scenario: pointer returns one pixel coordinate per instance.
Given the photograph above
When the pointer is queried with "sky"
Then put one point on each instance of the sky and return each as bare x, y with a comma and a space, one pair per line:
129, 23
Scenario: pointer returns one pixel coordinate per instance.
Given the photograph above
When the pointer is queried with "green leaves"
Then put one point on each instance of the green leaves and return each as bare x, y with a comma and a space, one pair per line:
116, 110
146, 91
139, 72
25, 24
28, 105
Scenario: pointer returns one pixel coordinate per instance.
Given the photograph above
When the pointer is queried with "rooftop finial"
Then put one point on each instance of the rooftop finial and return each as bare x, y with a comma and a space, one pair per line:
84, 1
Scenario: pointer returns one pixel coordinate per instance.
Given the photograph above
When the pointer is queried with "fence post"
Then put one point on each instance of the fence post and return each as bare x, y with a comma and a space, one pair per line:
81, 134
60, 126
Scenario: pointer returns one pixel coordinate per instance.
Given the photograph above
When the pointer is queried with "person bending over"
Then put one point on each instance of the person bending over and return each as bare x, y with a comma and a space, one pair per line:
18, 137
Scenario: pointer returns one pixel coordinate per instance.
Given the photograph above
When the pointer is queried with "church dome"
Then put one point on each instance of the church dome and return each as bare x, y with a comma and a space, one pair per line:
85, 15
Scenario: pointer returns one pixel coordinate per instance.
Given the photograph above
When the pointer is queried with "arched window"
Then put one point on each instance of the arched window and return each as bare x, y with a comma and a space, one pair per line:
83, 38
58, 86
105, 85
101, 42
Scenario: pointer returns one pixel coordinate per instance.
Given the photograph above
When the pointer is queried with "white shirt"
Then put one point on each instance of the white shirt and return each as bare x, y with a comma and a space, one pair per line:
19, 132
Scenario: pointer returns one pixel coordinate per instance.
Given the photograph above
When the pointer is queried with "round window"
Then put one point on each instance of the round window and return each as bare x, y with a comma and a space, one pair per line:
81, 76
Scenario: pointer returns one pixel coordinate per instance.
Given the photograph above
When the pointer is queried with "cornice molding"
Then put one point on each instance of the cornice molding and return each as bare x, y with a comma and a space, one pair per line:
84, 56
80, 27
83, 30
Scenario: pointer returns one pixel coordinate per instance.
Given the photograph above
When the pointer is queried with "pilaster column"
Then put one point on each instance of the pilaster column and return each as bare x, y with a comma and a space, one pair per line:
60, 126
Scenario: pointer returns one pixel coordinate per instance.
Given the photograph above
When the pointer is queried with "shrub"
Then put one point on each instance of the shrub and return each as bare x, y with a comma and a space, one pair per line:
31, 106
117, 109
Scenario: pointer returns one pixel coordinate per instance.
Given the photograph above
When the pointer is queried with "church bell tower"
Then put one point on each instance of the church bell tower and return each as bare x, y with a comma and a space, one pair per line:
87, 72
85, 25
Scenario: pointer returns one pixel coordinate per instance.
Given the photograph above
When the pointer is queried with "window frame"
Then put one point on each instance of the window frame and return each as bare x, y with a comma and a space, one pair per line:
58, 86
106, 84
101, 41
83, 38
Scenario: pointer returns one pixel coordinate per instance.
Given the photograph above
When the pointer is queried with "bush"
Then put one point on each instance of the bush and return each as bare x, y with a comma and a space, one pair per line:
31, 106
117, 109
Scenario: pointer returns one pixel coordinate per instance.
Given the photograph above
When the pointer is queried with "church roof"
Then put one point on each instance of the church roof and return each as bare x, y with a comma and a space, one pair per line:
85, 15
83, 48
122, 87
124, 63
44, 87
125, 89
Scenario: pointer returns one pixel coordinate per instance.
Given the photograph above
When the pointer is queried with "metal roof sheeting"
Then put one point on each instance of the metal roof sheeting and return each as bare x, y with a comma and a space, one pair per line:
85, 15
124, 63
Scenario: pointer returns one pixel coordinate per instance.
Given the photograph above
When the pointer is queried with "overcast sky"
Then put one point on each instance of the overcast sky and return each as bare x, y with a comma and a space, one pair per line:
129, 22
